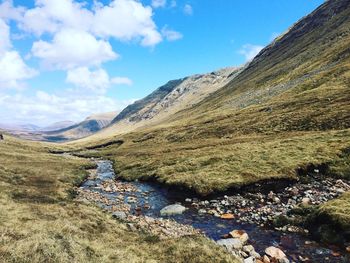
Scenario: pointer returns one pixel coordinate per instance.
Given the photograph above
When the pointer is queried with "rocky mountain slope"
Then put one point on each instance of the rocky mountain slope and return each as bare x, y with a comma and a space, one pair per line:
174, 96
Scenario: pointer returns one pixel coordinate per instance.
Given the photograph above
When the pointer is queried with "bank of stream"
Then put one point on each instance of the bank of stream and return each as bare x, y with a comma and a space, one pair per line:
139, 204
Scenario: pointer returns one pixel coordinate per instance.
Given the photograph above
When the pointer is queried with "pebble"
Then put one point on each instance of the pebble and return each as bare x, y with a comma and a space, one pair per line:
261, 209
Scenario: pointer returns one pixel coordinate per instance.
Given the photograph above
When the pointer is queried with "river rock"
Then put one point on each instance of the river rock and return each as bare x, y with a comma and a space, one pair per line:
240, 234
254, 254
250, 260
305, 201
275, 252
283, 260
227, 216
230, 243
172, 210
266, 259
119, 215
248, 248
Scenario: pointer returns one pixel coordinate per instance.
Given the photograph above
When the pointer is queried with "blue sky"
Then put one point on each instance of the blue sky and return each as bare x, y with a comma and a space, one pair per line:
66, 59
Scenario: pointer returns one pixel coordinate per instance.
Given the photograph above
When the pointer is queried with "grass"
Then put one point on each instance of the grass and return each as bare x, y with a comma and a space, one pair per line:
289, 108
213, 165
40, 222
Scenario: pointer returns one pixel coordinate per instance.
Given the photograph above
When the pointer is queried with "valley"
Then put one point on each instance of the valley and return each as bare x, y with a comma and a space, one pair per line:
245, 164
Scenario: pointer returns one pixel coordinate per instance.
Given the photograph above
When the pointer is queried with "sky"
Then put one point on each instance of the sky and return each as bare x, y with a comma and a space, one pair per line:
67, 59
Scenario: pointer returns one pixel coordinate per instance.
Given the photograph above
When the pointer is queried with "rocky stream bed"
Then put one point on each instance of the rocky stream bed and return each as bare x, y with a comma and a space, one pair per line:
244, 222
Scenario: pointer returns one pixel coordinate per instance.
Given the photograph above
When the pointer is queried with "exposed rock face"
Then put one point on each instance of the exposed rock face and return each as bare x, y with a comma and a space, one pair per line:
177, 95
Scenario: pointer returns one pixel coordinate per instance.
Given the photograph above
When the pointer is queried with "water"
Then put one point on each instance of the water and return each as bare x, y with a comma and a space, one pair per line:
158, 197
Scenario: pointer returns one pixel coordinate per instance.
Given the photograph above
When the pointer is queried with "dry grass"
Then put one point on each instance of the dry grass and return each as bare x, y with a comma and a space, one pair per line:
40, 222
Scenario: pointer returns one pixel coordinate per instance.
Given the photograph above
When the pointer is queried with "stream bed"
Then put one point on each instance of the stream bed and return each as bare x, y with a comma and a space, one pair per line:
147, 199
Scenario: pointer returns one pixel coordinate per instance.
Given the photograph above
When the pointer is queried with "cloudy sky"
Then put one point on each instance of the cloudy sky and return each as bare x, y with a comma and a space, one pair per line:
67, 59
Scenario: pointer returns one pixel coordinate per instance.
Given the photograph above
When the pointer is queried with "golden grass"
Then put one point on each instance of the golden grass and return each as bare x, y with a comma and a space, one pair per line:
40, 222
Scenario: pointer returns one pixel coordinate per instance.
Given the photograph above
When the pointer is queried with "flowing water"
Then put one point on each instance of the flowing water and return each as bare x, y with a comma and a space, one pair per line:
158, 197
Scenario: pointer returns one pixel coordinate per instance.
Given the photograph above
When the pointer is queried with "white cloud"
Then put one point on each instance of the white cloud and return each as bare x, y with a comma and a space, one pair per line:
126, 20
13, 70
122, 19
97, 81
158, 3
173, 4
121, 81
71, 48
43, 108
50, 16
5, 43
171, 35
188, 10
8, 11
249, 51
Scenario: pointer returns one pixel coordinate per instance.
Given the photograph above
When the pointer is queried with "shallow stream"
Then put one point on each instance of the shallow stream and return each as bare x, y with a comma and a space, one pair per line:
156, 197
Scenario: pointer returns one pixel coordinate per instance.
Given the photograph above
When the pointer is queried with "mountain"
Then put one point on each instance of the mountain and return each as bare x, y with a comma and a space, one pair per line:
19, 127
270, 120
174, 96
90, 125
58, 126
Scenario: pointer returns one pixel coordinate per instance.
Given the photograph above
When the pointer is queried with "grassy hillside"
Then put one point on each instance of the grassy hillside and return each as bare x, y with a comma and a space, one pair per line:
289, 107
40, 222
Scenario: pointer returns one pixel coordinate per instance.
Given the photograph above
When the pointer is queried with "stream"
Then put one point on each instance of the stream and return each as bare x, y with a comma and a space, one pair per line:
148, 199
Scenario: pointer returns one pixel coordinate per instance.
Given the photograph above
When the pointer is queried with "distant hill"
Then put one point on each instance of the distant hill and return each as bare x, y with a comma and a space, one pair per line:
58, 126
90, 125
19, 127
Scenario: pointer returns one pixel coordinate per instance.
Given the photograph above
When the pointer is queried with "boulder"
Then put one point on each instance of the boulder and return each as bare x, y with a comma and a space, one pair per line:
231, 243
275, 252
240, 234
172, 210
1, 137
